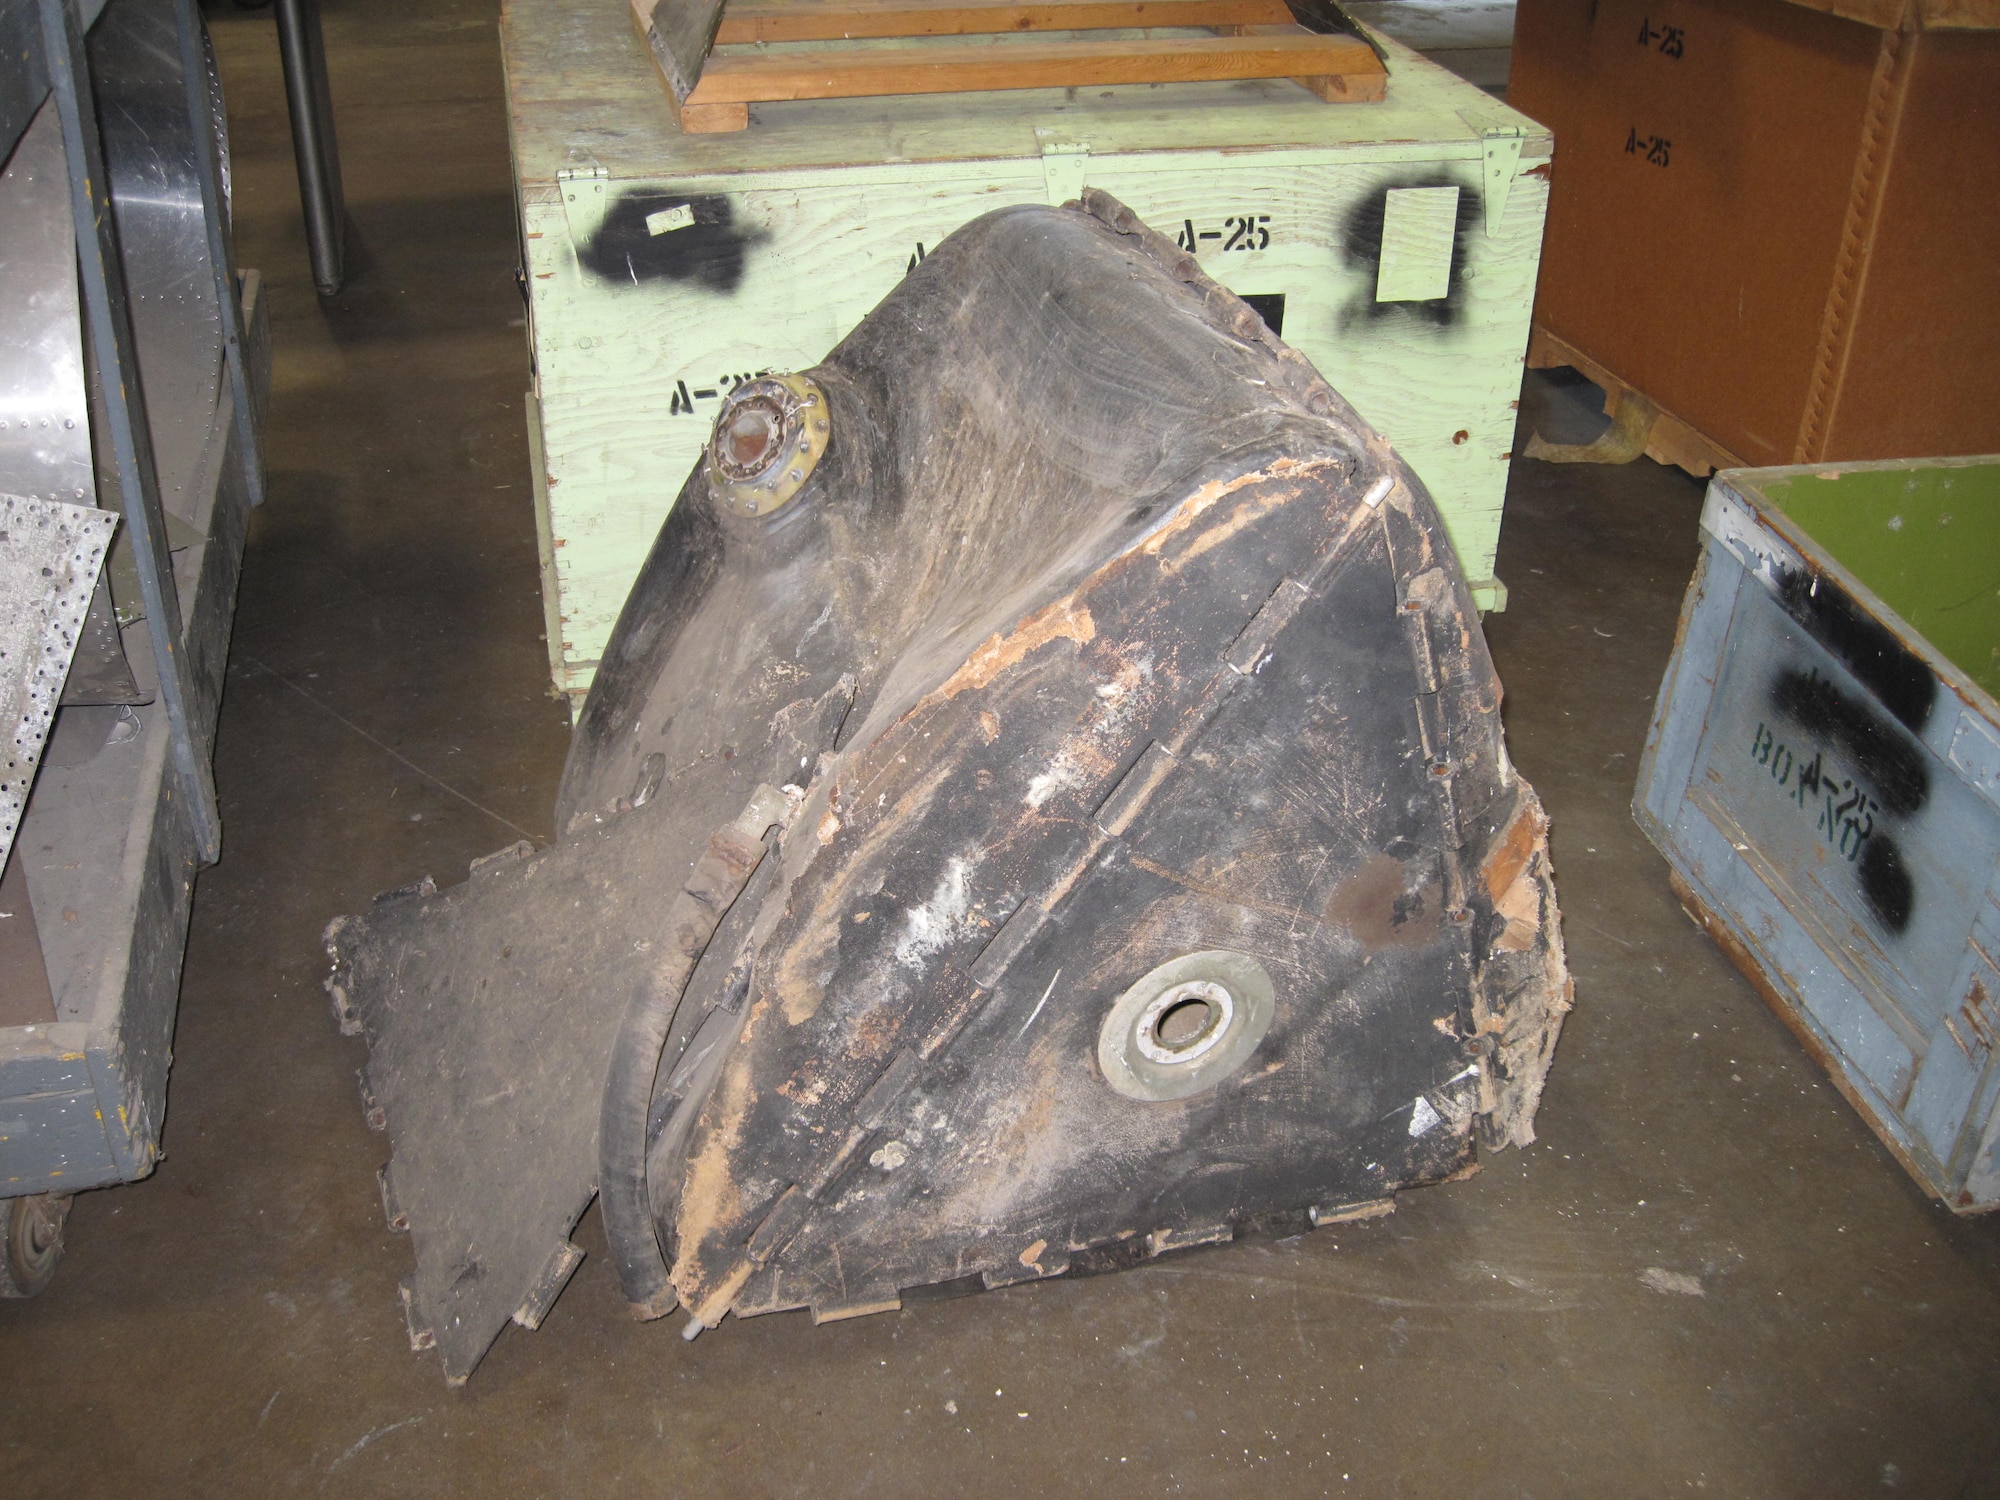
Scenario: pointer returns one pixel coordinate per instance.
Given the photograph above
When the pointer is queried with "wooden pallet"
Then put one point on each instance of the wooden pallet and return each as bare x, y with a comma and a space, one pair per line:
1658, 433
1248, 39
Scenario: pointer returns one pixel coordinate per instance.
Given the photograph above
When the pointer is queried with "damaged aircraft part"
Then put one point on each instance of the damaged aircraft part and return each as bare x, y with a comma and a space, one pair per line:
1072, 824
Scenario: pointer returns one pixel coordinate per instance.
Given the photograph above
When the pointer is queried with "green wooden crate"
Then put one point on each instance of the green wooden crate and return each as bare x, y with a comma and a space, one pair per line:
1396, 245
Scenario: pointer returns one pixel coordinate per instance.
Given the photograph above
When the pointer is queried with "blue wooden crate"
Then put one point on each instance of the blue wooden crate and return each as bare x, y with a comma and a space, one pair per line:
1823, 775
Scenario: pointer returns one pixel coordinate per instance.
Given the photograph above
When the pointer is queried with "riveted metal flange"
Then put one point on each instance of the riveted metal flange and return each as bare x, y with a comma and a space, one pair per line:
768, 439
1186, 1026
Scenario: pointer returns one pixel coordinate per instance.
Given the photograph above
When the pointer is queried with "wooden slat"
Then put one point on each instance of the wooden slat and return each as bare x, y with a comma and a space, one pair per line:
835, 20
1337, 88
706, 119
865, 72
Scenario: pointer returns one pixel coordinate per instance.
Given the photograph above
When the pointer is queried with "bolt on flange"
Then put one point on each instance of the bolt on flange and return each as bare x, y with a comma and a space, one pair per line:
767, 441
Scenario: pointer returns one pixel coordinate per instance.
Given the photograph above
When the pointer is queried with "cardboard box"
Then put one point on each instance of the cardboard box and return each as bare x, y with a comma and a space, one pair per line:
1776, 222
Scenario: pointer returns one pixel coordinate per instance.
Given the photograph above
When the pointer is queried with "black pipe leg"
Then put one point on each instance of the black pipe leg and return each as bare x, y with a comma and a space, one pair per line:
302, 47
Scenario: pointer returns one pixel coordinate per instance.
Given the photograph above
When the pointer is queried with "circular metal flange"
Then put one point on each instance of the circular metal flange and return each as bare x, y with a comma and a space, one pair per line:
1186, 1026
768, 438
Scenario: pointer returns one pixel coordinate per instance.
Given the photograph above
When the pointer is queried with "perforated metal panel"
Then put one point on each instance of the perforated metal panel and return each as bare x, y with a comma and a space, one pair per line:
50, 556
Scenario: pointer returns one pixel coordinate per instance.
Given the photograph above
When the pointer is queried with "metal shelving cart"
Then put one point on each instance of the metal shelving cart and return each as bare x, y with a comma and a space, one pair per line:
133, 369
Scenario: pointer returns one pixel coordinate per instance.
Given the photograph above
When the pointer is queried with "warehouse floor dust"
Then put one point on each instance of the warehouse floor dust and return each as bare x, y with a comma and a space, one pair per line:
1706, 1276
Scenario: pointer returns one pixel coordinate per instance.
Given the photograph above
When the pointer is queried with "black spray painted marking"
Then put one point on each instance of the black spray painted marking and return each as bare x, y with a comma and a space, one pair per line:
1235, 232
1886, 883
1668, 41
1890, 762
1656, 149
687, 239
1361, 249
685, 401
1843, 812
1885, 757
1896, 675
1844, 815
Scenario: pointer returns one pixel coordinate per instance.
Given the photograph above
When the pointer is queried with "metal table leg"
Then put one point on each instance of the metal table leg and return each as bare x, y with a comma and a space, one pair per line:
302, 47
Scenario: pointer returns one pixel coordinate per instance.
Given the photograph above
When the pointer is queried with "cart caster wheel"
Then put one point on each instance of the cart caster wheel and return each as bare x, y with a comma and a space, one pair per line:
34, 1242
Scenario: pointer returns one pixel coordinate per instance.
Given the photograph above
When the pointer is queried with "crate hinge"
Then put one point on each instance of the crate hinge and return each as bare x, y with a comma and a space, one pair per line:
1063, 166
586, 198
1500, 148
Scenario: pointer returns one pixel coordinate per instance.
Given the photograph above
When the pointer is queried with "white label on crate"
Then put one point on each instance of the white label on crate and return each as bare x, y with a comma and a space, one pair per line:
1418, 227
667, 220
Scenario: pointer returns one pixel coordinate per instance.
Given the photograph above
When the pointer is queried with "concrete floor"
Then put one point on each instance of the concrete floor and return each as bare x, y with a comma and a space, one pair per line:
230, 1326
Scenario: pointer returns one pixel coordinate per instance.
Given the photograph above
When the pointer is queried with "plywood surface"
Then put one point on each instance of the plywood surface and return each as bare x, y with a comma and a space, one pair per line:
583, 92
791, 232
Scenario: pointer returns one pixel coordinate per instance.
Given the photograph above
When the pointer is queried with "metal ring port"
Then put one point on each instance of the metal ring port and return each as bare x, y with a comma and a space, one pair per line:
1186, 1026
767, 441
